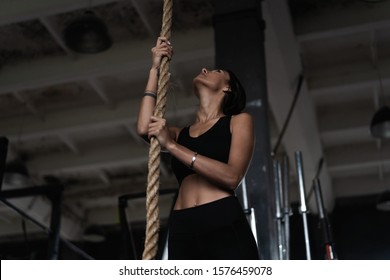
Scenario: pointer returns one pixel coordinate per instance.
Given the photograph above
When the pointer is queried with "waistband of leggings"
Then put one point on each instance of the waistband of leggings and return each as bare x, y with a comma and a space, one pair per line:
222, 212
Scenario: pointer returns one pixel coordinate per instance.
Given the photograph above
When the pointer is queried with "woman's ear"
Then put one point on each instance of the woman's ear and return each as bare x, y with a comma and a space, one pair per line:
226, 89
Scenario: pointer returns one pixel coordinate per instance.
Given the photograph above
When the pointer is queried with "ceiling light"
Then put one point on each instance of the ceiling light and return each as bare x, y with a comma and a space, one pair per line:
380, 124
383, 203
87, 34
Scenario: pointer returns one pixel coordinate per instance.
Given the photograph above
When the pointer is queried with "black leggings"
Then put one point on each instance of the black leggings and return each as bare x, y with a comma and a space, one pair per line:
213, 231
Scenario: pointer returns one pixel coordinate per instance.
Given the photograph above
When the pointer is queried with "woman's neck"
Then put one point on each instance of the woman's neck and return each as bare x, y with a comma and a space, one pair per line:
204, 115
209, 107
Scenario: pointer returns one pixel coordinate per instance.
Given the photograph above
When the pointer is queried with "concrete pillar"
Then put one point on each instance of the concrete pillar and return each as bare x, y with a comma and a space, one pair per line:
239, 43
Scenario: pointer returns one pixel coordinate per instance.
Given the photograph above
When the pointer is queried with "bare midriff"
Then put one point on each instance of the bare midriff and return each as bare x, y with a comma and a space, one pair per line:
195, 191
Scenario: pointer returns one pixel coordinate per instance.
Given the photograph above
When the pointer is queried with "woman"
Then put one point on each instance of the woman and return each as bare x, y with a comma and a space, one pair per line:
209, 159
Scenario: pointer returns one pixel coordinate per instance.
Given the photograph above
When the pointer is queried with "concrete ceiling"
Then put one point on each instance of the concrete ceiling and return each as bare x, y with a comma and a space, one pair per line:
72, 117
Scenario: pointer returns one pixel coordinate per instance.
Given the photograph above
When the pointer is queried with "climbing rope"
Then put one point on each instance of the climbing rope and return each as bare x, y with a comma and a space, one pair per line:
152, 211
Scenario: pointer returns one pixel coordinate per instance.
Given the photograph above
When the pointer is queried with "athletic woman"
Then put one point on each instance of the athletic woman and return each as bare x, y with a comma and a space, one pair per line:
209, 159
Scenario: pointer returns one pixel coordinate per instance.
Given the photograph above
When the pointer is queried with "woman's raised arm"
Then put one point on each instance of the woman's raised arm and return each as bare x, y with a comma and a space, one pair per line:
148, 102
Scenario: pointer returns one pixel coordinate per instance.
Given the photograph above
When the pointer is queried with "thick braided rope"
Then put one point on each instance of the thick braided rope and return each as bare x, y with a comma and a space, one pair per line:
152, 216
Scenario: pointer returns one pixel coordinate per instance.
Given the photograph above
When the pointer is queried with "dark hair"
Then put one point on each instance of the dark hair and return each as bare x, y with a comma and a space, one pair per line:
235, 99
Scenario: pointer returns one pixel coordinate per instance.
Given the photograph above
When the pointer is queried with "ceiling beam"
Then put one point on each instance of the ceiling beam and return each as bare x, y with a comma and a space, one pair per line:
104, 177
152, 24
117, 187
345, 116
351, 169
357, 153
346, 135
132, 130
67, 140
82, 119
29, 105
358, 185
351, 76
102, 156
55, 33
24, 10
338, 21
94, 83
131, 57
357, 159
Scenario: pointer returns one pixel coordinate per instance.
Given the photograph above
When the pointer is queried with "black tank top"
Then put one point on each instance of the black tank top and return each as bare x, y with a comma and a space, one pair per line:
214, 143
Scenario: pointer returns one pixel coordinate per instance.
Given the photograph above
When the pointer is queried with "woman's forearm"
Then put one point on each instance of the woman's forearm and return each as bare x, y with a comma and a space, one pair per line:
220, 173
147, 103
151, 85
162, 49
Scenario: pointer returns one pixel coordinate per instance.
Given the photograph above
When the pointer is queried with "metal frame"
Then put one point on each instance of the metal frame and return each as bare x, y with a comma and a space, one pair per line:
330, 252
303, 207
127, 235
54, 193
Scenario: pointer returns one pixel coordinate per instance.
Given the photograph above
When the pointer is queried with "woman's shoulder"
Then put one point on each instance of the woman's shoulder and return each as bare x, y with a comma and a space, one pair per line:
241, 121
241, 118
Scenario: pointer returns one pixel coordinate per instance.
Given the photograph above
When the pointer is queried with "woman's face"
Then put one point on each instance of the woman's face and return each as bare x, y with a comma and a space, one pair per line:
215, 80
